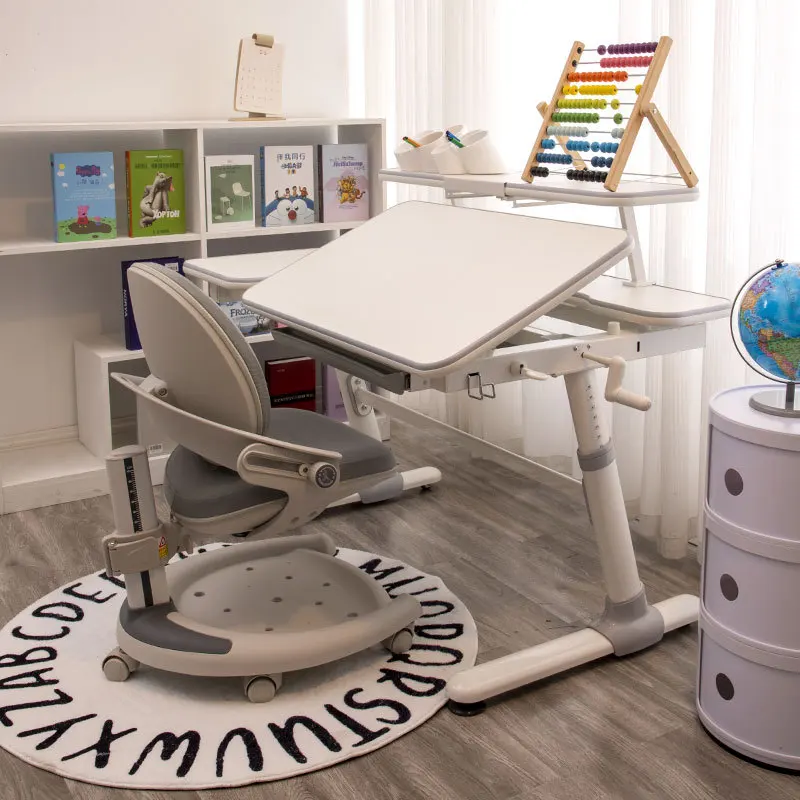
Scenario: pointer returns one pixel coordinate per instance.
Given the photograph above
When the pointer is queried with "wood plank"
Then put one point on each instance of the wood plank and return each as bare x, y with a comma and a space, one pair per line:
577, 161
635, 121
571, 63
670, 145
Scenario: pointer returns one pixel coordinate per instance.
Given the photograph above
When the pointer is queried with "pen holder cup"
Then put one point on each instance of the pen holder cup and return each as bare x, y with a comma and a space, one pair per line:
418, 159
447, 158
457, 130
479, 154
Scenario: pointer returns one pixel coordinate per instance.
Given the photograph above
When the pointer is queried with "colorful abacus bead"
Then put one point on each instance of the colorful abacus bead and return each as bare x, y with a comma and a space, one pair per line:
601, 50
617, 133
539, 172
596, 146
615, 103
548, 144
618, 118
638, 88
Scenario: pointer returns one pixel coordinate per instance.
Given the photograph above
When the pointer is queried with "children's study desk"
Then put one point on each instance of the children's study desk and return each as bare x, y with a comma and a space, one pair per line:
468, 290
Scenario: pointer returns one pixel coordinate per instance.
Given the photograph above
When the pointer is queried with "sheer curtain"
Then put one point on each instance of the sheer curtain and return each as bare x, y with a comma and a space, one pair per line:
486, 63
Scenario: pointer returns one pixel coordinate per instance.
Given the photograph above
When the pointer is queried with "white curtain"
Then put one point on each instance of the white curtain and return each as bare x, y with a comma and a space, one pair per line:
486, 63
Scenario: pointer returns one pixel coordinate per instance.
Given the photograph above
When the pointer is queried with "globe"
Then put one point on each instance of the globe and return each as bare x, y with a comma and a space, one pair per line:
765, 322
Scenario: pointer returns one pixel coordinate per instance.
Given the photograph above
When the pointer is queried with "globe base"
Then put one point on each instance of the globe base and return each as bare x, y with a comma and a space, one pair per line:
776, 402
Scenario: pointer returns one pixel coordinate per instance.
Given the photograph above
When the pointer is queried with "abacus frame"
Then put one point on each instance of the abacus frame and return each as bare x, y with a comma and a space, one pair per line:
643, 108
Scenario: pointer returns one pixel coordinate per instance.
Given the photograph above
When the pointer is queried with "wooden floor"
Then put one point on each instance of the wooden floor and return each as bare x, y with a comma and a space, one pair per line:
522, 558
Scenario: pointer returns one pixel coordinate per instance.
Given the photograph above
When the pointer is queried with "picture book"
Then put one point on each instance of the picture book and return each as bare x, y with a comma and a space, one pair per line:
83, 196
132, 341
156, 201
287, 185
344, 182
229, 192
246, 320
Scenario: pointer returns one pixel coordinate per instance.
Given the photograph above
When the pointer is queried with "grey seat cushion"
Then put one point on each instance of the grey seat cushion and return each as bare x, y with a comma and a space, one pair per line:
197, 489
361, 454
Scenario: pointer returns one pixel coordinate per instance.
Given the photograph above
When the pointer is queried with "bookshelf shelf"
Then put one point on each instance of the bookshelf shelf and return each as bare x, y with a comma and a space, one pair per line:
45, 246
314, 227
61, 327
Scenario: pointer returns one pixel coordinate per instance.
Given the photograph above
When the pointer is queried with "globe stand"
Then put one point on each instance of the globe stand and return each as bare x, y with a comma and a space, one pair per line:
777, 402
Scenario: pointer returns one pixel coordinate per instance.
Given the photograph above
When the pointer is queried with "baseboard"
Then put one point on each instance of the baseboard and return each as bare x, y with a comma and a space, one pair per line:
21, 441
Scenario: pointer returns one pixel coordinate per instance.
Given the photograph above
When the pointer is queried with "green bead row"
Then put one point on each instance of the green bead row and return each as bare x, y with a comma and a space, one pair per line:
569, 102
567, 116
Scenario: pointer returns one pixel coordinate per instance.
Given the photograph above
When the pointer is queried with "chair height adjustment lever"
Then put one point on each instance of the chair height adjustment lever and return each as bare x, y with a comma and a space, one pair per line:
614, 392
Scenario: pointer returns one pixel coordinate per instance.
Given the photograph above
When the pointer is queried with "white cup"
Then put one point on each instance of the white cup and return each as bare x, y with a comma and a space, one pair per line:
446, 156
479, 155
418, 159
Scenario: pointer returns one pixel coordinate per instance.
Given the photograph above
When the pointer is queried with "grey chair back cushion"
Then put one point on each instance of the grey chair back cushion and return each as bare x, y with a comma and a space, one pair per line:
192, 346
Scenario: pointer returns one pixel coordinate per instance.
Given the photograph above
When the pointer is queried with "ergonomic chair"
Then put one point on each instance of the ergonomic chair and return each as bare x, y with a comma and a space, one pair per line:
269, 604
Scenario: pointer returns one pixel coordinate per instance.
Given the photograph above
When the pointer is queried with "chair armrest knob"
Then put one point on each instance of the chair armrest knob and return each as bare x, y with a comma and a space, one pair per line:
323, 474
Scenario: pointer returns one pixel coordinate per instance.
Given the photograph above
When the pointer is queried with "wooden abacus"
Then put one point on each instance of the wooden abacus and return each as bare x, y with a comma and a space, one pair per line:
594, 88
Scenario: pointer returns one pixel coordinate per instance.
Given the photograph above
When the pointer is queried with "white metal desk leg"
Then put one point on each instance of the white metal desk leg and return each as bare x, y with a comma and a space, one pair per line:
628, 623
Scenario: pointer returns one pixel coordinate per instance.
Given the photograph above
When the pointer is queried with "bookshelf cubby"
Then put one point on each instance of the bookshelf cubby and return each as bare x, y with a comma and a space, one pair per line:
60, 303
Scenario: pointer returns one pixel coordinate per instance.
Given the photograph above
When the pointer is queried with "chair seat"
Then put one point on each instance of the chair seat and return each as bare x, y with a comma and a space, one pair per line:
197, 489
361, 454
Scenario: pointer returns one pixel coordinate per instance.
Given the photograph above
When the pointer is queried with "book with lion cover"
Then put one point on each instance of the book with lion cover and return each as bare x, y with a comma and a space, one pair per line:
156, 195
344, 182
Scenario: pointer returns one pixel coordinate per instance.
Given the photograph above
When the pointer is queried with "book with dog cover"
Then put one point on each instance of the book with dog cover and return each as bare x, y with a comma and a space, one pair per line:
156, 194
83, 196
287, 185
344, 182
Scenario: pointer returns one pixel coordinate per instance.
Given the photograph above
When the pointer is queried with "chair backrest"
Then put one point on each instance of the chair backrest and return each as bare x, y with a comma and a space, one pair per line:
190, 344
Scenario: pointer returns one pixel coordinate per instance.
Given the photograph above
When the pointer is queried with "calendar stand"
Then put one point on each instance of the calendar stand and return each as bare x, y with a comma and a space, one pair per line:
259, 79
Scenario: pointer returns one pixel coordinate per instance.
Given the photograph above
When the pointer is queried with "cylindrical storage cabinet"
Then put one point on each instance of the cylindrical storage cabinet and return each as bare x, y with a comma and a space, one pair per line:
748, 687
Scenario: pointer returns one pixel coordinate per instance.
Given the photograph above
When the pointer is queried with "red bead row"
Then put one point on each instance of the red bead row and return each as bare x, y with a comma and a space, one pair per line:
626, 61
593, 77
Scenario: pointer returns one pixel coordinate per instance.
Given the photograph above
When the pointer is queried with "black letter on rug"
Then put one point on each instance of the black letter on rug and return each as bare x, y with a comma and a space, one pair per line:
456, 656
28, 680
72, 591
285, 737
18, 634
435, 685
62, 699
169, 745
372, 568
354, 725
436, 630
23, 659
448, 608
111, 579
255, 758
76, 610
58, 728
102, 746
403, 712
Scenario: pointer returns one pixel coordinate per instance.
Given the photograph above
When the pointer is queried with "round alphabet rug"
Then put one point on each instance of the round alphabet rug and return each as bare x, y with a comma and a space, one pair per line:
159, 730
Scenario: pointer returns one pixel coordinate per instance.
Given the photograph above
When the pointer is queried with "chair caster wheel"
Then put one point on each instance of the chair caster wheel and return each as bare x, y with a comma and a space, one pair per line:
262, 688
428, 487
399, 642
466, 709
118, 666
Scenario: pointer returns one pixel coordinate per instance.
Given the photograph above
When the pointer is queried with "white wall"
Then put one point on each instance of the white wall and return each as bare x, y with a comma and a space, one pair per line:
103, 61
62, 60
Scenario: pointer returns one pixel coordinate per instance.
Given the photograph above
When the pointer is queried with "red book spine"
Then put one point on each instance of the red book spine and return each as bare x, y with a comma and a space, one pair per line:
292, 383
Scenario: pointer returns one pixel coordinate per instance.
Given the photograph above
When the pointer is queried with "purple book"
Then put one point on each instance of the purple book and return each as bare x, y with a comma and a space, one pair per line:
334, 405
131, 334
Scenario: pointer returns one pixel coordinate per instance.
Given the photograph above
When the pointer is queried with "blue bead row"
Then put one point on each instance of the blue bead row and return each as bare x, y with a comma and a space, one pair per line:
553, 158
548, 144
605, 147
575, 145
599, 161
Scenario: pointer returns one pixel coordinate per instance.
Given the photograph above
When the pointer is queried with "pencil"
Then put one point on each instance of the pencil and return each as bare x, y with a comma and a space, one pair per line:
454, 139
411, 141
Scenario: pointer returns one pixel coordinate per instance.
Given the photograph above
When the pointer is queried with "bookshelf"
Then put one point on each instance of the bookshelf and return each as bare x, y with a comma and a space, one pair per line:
60, 303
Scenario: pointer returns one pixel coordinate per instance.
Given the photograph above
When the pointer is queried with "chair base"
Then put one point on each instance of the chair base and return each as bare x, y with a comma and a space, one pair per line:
258, 610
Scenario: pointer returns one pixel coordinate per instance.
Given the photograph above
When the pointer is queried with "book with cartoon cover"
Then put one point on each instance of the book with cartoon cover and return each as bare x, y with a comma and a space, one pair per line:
287, 185
344, 182
156, 200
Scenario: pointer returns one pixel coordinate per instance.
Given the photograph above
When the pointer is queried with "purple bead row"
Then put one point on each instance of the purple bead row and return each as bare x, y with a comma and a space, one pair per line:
632, 49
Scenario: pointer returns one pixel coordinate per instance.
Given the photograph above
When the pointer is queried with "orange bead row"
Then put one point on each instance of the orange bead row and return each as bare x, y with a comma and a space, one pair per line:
593, 77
